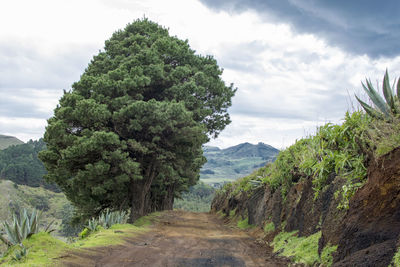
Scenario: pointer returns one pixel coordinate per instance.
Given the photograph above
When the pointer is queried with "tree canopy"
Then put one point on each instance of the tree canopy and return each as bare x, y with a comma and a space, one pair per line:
20, 164
130, 132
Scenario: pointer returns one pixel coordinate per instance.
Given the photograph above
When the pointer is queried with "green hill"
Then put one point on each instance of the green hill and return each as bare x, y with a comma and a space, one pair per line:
54, 206
21, 165
233, 162
6, 141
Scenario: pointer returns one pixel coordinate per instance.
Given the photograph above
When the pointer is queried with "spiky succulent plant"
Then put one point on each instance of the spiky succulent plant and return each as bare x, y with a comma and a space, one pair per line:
384, 108
108, 218
22, 227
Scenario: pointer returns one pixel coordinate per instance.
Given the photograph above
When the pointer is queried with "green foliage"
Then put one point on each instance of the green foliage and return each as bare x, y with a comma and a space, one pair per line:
43, 249
396, 259
85, 233
384, 109
69, 227
21, 165
22, 227
20, 254
244, 185
335, 149
385, 136
299, 249
269, 227
326, 255
133, 125
198, 199
46, 250
14, 199
108, 218
92, 224
146, 220
244, 224
105, 220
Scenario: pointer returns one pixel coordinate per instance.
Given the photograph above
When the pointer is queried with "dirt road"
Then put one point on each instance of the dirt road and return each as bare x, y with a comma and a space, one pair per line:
189, 239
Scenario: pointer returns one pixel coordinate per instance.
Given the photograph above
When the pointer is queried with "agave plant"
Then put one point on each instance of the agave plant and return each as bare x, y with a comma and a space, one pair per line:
108, 218
92, 224
22, 227
385, 109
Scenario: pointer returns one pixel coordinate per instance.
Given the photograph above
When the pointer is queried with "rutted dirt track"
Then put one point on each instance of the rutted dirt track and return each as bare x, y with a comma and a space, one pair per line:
188, 239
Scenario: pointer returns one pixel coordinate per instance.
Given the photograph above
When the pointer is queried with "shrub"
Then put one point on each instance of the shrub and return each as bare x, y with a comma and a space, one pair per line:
85, 232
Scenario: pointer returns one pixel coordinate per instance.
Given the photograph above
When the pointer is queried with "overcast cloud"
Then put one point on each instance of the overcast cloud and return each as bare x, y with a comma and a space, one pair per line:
295, 63
358, 26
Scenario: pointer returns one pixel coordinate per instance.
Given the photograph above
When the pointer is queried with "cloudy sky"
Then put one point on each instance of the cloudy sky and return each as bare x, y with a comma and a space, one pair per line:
296, 63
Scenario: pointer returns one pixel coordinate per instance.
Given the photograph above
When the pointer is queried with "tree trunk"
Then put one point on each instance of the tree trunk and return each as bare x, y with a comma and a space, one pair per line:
139, 191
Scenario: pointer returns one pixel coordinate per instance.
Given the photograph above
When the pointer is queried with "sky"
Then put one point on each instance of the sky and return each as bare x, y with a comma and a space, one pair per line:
296, 63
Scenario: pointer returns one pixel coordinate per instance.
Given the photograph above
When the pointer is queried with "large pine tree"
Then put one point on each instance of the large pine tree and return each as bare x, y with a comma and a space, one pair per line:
129, 133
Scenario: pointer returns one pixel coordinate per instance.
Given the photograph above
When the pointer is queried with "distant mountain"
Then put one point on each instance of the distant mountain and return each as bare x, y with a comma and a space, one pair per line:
6, 141
247, 150
233, 162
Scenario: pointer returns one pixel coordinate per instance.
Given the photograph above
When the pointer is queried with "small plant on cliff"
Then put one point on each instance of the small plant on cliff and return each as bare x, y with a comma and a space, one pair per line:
299, 249
387, 108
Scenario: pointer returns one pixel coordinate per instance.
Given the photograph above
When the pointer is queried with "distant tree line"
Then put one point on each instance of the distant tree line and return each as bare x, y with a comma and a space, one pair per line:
197, 199
130, 132
20, 164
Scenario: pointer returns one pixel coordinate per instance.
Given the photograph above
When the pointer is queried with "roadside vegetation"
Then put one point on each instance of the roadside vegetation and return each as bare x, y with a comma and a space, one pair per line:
31, 246
344, 150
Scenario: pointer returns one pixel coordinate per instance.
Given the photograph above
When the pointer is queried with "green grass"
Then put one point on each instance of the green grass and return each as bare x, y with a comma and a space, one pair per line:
16, 197
113, 236
326, 255
269, 227
300, 249
147, 220
45, 250
396, 259
244, 224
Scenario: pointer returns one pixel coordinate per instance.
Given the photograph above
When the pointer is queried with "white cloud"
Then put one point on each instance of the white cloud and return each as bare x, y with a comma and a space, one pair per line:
288, 83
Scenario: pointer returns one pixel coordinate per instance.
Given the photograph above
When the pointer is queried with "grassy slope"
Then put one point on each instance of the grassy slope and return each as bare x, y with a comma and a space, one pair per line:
6, 141
14, 196
45, 250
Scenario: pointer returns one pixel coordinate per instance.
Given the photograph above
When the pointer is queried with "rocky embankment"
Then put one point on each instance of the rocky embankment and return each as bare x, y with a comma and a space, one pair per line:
366, 233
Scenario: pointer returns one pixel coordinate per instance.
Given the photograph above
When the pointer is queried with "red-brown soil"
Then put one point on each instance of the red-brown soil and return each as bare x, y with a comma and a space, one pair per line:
185, 239
371, 228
